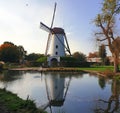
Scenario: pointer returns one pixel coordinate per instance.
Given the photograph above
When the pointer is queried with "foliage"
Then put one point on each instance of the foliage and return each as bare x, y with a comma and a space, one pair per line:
68, 58
33, 56
117, 77
42, 59
39, 62
22, 53
102, 53
79, 56
106, 21
9, 52
93, 55
107, 61
73, 62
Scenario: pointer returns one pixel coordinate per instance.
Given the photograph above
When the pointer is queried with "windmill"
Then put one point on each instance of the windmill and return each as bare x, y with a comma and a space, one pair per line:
57, 40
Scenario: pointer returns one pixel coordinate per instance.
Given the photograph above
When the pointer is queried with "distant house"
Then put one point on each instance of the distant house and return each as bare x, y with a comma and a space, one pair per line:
94, 57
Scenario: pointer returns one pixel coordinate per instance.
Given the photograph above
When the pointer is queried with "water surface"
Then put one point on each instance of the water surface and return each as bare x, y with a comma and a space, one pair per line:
65, 92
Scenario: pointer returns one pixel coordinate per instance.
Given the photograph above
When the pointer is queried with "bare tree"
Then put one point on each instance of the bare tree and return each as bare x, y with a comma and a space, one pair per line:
106, 22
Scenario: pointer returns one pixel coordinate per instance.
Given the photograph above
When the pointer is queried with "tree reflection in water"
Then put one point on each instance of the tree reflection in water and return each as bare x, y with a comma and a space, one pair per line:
10, 76
112, 105
7, 77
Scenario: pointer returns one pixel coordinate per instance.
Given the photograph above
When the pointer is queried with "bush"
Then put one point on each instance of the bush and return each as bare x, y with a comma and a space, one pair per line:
72, 62
42, 59
33, 64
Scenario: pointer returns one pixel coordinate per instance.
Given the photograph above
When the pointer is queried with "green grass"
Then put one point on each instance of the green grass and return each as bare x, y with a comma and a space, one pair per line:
14, 104
97, 68
103, 70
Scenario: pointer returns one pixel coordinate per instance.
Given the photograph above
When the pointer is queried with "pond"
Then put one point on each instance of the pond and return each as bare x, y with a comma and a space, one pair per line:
59, 92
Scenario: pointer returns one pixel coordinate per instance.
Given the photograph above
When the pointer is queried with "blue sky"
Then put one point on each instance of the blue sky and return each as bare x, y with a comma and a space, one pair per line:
20, 22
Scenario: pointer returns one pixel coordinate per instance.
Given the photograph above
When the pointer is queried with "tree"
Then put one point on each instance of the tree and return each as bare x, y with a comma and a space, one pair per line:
9, 52
106, 22
93, 55
79, 56
22, 54
102, 53
33, 56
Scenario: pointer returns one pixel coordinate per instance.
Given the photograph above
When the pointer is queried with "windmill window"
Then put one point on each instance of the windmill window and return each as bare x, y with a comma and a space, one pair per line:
56, 46
56, 53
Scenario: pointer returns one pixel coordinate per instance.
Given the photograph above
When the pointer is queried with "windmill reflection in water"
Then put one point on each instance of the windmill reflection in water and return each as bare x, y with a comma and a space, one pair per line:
56, 89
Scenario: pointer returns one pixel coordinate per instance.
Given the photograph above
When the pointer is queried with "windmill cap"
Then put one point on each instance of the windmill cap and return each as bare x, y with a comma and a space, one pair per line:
57, 30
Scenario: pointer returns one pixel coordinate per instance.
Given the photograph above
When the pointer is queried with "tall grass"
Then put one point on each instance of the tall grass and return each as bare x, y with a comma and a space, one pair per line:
14, 104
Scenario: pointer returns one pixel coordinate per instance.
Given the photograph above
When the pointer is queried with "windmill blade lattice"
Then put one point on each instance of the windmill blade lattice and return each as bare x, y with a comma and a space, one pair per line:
49, 36
45, 27
68, 48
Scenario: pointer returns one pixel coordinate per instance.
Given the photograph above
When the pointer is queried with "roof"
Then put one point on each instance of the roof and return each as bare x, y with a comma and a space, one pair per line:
57, 30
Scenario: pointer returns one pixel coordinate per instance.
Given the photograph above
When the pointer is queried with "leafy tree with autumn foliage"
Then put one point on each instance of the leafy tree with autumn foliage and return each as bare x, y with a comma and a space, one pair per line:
9, 52
93, 55
106, 23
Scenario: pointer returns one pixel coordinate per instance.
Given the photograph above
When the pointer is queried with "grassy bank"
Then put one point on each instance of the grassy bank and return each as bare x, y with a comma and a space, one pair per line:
98, 68
11, 103
101, 70
106, 71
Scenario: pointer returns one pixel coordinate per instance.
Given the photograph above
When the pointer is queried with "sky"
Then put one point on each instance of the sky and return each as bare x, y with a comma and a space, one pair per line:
20, 23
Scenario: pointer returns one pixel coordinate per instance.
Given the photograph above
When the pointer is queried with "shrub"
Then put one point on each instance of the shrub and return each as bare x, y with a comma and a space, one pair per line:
72, 62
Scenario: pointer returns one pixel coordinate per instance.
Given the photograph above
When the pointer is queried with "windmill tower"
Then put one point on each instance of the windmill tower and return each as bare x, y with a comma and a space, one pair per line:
57, 41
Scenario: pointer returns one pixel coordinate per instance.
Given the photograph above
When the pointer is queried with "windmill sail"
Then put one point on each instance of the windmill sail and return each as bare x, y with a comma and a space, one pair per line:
68, 49
44, 27
49, 36
53, 15
58, 37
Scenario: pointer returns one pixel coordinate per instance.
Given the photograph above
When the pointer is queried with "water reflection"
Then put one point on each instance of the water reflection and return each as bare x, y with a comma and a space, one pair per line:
65, 92
9, 76
56, 89
112, 105
102, 82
